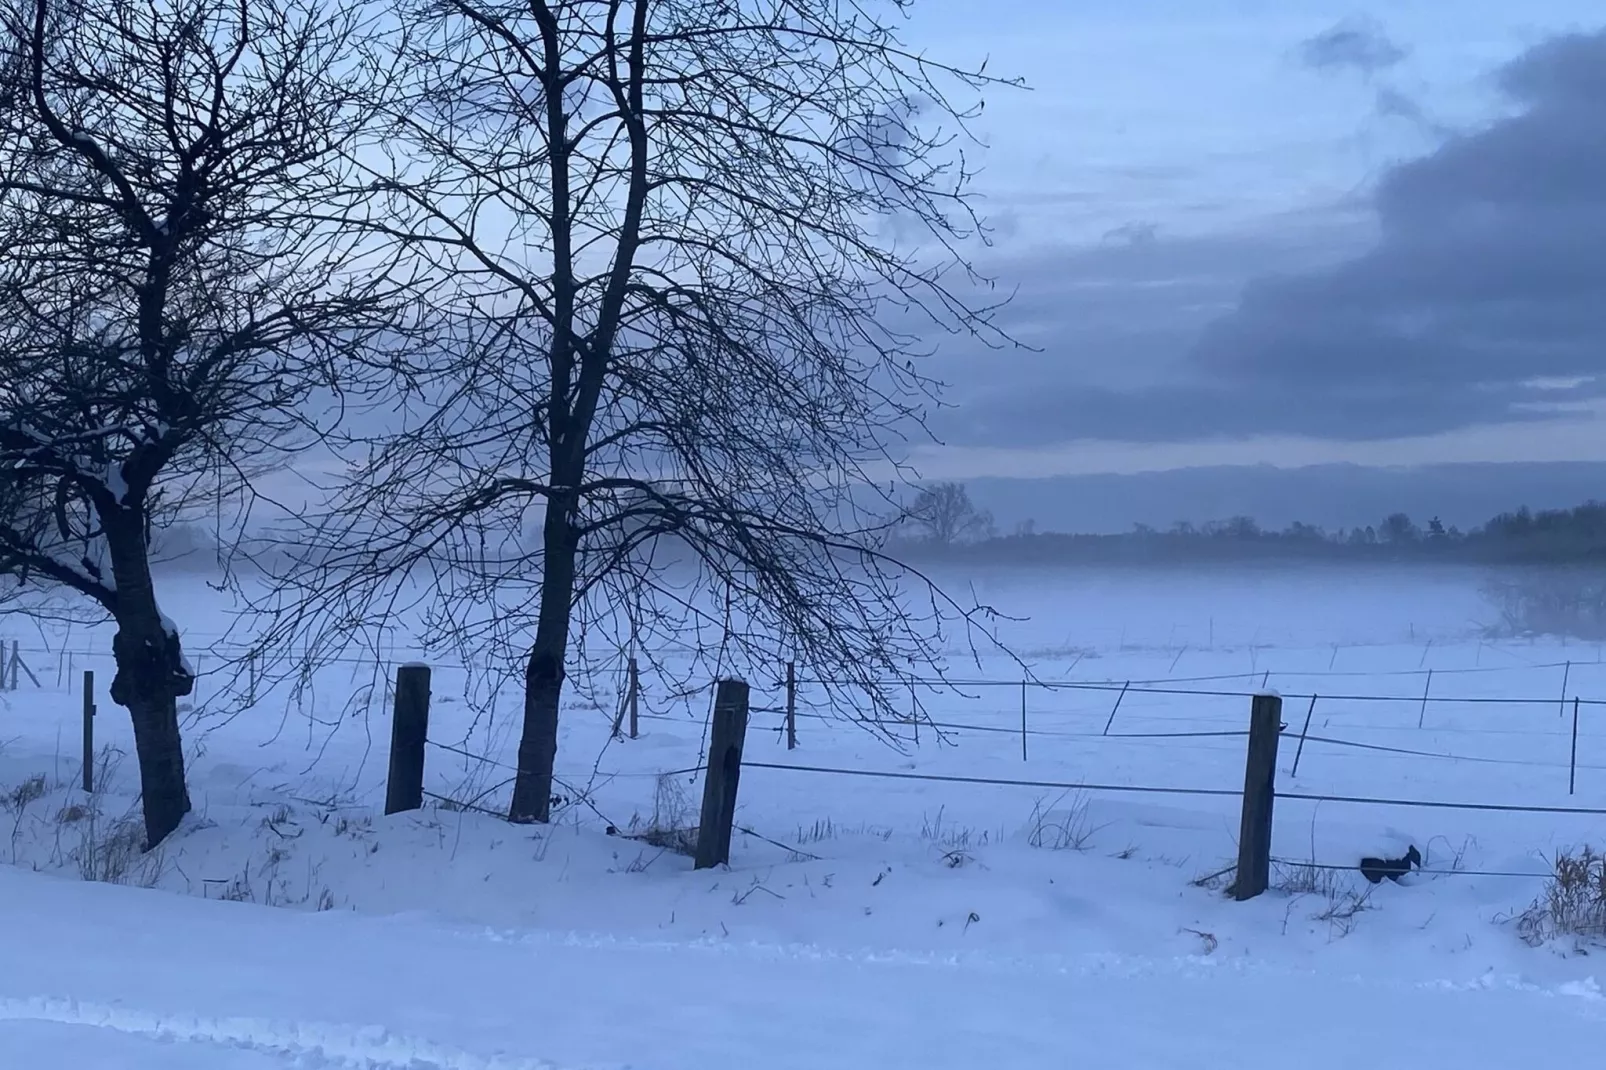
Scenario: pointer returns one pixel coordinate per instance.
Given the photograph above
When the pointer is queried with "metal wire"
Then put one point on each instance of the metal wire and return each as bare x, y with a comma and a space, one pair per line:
1332, 867
1149, 790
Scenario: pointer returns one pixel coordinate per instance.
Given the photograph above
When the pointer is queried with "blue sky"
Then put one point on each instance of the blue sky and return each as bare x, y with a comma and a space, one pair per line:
1172, 156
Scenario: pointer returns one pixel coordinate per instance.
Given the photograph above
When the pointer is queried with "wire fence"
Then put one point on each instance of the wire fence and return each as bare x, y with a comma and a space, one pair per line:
760, 715
1038, 719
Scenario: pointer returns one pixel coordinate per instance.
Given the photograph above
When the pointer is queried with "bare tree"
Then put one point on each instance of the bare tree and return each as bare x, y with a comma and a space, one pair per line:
694, 246
176, 286
944, 514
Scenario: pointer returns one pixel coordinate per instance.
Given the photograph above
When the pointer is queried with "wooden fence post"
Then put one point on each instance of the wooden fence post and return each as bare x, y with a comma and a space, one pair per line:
409, 729
1023, 720
89, 731
633, 699
726, 739
791, 706
1260, 789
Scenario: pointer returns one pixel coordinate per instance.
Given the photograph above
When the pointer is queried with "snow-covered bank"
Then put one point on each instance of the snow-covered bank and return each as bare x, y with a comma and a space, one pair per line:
105, 972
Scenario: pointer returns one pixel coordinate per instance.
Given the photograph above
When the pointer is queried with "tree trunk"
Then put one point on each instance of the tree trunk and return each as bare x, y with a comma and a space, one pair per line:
151, 677
543, 673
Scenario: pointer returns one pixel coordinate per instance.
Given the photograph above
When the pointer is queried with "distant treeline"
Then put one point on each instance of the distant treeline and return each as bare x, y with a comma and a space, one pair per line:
1523, 537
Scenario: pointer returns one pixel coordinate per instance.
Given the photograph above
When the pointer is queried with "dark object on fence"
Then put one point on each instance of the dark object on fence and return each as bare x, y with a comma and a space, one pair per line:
89, 732
791, 706
1260, 788
409, 728
1375, 869
726, 739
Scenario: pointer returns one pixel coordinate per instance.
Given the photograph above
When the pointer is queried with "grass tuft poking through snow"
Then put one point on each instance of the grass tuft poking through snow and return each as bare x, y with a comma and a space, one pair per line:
672, 825
1573, 903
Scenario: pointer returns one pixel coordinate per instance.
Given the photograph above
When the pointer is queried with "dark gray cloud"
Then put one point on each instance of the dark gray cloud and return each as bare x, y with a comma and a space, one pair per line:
1357, 44
1113, 326
1484, 272
1488, 273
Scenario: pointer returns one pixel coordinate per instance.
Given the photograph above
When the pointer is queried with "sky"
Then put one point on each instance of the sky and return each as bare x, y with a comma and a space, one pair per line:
1252, 235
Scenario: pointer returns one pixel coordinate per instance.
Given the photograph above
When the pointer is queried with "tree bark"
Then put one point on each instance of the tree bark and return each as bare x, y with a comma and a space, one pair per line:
150, 679
544, 672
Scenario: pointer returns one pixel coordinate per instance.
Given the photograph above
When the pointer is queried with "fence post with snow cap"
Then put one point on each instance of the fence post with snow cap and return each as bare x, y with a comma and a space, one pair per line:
727, 736
1260, 790
409, 729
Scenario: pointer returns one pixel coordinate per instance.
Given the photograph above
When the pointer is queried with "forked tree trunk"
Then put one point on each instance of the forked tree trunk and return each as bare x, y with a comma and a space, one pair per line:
543, 673
150, 679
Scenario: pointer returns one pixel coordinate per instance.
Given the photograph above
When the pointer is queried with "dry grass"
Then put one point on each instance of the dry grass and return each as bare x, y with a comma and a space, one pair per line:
1573, 903
1062, 825
672, 826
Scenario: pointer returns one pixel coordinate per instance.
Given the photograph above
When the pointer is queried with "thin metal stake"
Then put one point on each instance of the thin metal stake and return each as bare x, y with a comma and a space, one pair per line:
1113, 712
1302, 733
1572, 765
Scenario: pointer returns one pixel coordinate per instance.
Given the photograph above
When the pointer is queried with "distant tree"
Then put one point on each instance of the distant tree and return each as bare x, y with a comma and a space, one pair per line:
1026, 528
1184, 529
1241, 527
944, 514
1398, 529
1302, 532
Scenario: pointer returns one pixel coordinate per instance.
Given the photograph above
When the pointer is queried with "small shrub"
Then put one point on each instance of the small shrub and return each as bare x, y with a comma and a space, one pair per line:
1304, 879
24, 795
1573, 903
114, 854
671, 826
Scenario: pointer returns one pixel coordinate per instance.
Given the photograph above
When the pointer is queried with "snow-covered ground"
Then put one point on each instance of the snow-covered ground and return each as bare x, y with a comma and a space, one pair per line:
1034, 919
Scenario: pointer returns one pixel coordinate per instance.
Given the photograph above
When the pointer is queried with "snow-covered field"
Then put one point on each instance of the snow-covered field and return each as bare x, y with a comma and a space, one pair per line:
1038, 918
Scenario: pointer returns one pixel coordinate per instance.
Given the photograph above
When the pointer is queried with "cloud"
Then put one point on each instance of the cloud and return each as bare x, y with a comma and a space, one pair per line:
1111, 328
1460, 293
1356, 44
1487, 274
